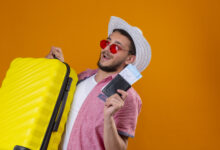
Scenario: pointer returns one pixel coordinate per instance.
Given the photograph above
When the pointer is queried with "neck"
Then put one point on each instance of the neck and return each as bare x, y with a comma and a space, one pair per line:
102, 74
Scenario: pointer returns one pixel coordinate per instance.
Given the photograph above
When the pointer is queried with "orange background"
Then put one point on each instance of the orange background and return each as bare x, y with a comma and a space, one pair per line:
180, 88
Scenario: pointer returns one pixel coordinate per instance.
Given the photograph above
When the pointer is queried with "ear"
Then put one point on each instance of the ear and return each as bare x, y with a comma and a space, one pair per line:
130, 59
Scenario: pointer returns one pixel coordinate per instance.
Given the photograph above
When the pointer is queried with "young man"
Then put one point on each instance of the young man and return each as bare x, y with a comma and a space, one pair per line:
97, 122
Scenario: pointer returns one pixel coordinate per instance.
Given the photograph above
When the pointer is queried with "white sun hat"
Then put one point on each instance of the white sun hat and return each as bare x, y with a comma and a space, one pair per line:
143, 49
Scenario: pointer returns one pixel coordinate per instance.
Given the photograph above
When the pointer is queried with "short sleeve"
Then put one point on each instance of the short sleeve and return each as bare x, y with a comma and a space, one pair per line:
126, 118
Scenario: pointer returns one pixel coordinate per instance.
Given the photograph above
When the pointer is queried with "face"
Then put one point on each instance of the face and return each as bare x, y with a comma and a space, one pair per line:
114, 62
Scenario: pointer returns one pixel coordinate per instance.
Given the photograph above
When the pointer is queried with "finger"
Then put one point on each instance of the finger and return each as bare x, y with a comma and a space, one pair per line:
53, 48
118, 97
113, 100
59, 50
50, 56
57, 54
107, 102
50, 53
123, 93
116, 103
114, 96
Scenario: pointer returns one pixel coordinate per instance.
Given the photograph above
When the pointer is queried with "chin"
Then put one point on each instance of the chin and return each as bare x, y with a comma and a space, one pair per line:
109, 68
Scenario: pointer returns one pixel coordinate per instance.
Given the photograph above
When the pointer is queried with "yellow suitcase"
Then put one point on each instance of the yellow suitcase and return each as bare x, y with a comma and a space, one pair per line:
35, 100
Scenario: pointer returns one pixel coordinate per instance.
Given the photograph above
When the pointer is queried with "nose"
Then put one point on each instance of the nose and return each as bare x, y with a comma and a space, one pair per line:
107, 48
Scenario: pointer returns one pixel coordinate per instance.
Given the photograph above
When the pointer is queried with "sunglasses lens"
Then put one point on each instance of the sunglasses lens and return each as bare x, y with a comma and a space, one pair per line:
113, 49
103, 44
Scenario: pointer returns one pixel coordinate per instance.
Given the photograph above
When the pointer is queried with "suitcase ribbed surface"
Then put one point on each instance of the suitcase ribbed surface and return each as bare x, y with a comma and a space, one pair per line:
27, 99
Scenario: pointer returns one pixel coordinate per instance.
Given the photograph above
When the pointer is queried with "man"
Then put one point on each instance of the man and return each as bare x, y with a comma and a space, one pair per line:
97, 122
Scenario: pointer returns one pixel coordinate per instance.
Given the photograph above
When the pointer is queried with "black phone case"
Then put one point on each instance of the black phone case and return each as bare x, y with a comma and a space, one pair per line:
117, 83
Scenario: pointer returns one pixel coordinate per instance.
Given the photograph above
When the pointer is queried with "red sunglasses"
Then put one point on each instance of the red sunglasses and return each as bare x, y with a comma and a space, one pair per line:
113, 48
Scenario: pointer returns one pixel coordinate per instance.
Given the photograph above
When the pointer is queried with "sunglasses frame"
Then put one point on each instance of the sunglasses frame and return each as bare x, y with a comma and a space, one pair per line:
114, 48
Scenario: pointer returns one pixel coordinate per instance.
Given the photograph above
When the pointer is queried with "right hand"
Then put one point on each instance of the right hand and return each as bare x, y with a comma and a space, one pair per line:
55, 52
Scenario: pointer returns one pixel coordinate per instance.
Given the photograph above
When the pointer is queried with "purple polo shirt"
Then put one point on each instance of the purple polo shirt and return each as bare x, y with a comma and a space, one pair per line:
87, 131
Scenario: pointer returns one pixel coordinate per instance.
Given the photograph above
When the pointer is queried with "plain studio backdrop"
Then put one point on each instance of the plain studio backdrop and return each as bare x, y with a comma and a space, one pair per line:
180, 88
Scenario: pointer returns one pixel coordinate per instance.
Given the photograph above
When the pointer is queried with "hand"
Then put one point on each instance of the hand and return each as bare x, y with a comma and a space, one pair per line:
114, 103
55, 52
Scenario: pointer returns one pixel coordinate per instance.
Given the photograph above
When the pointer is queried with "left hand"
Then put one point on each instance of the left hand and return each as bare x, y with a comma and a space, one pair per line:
114, 103
55, 52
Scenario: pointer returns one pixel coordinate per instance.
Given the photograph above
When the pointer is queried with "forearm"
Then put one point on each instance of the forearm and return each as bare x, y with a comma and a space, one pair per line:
112, 139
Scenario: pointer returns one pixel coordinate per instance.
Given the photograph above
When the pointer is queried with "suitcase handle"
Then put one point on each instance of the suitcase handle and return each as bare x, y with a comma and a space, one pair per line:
20, 148
59, 116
